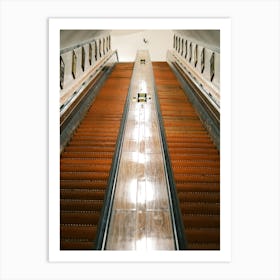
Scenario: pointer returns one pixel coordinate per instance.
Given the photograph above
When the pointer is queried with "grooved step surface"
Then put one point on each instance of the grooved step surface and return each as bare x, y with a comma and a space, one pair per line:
86, 162
195, 162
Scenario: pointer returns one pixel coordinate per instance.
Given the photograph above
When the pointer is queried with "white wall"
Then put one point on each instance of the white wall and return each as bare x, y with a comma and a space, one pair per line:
128, 42
70, 84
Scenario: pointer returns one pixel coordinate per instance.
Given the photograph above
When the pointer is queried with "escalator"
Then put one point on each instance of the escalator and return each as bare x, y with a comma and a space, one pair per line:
195, 162
86, 161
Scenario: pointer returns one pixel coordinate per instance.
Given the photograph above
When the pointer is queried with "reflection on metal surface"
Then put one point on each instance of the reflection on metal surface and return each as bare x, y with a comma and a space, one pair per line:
143, 86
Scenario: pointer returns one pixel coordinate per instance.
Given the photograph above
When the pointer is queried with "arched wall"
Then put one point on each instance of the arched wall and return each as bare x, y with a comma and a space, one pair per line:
200, 56
187, 44
84, 50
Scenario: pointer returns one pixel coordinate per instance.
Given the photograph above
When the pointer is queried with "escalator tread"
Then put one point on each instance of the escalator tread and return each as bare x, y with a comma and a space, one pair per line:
86, 161
195, 162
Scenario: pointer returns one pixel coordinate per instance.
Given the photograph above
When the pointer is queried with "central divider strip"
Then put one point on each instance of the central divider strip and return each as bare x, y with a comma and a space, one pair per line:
138, 209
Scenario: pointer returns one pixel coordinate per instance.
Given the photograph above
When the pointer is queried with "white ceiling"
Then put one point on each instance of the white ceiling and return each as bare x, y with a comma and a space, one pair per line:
157, 42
